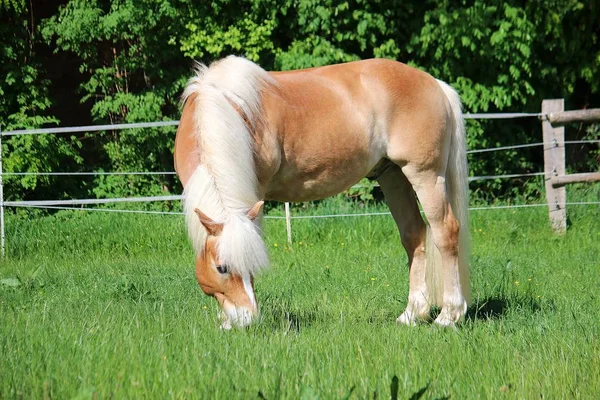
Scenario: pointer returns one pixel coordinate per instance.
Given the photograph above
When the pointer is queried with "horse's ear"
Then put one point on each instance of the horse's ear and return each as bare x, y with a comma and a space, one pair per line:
213, 228
255, 210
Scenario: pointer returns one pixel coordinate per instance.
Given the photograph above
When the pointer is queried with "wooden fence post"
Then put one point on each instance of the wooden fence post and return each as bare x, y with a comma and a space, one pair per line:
554, 165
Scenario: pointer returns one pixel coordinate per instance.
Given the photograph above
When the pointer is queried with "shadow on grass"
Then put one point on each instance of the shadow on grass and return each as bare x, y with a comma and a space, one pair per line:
281, 313
496, 307
278, 313
292, 320
490, 308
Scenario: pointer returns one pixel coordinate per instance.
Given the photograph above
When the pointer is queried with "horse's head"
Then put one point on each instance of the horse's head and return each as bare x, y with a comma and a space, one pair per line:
233, 291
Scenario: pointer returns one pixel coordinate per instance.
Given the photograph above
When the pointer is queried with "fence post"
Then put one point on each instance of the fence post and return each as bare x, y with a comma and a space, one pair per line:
554, 165
1, 199
288, 223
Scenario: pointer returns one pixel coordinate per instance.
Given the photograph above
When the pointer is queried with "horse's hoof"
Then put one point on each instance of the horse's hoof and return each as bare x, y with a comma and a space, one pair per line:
226, 326
450, 316
407, 319
444, 323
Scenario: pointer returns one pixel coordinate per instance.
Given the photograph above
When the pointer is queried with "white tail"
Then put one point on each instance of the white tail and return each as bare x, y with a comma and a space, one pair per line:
457, 186
225, 186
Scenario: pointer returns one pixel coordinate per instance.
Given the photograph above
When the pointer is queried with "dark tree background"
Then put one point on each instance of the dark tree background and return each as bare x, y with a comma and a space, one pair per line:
98, 61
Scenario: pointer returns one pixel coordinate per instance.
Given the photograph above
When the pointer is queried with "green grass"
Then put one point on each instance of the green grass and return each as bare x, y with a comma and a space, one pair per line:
107, 306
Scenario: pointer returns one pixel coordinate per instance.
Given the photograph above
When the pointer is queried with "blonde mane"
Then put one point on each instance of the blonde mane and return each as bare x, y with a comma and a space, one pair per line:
224, 186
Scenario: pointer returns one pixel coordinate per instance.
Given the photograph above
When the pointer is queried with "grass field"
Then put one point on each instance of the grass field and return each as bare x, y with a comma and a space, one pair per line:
96, 305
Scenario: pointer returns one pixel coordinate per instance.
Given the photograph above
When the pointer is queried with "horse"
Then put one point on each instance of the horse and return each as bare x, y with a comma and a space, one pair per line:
247, 135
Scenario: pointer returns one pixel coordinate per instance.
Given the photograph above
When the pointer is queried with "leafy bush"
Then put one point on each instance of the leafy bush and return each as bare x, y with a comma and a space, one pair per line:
99, 61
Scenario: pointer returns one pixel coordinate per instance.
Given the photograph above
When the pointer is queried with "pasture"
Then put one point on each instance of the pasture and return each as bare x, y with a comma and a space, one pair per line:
98, 305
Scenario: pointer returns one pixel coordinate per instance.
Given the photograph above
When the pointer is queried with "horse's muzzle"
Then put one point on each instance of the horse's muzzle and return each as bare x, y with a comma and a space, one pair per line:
233, 316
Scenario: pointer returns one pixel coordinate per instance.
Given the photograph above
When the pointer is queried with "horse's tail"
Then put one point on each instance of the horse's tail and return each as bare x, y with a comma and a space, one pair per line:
228, 109
457, 186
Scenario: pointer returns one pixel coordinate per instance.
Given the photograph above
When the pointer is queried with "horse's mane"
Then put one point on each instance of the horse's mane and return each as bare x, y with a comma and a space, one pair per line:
224, 186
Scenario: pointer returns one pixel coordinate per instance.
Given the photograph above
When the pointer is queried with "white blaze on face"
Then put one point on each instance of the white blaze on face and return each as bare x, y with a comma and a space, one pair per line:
232, 315
249, 289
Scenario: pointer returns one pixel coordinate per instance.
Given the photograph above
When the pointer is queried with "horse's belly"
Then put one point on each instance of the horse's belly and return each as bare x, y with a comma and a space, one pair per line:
317, 177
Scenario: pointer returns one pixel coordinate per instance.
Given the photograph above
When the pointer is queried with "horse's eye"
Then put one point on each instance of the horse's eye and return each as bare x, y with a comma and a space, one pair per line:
222, 269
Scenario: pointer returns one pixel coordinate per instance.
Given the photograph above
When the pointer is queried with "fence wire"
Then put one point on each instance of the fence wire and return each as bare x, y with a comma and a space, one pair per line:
472, 178
108, 210
138, 125
78, 202
73, 202
90, 128
502, 115
507, 176
516, 146
91, 173
164, 173
179, 197
347, 215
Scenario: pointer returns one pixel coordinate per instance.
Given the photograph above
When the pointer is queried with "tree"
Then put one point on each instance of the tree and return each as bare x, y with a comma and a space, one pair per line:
131, 71
25, 104
128, 61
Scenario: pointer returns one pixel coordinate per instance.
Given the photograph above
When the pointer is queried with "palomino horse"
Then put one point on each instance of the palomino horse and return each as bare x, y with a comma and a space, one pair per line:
247, 135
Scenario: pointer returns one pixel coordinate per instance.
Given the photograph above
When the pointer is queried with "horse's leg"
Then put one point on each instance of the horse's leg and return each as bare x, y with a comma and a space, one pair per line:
403, 205
430, 186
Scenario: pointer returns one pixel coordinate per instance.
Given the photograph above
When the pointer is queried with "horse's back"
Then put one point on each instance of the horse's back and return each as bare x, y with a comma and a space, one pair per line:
326, 128
381, 79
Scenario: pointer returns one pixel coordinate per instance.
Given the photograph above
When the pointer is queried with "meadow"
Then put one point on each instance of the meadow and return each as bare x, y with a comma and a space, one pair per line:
99, 305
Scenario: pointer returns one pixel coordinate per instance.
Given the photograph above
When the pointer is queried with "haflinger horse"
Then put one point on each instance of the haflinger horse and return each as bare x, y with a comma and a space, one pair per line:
247, 135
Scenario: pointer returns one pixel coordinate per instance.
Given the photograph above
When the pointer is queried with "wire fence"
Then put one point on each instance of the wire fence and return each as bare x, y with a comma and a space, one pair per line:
90, 173
161, 124
471, 178
70, 204
294, 217
90, 128
74, 202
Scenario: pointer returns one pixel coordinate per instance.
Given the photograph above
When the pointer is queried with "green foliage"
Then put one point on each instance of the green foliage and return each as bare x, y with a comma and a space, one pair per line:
135, 74
362, 191
128, 61
18, 6
24, 103
484, 50
221, 29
